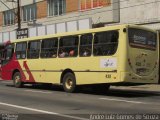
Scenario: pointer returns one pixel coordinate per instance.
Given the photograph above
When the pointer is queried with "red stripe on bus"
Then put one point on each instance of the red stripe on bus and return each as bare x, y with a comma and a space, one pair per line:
13, 64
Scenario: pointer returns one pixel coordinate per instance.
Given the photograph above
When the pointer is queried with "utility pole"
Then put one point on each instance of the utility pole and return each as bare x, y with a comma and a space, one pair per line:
19, 14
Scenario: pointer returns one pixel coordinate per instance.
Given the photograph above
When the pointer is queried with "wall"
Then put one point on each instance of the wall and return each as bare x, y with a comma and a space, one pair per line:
1, 19
71, 5
139, 11
48, 29
107, 14
41, 9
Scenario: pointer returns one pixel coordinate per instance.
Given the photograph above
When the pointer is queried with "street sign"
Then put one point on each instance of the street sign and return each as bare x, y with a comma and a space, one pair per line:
22, 33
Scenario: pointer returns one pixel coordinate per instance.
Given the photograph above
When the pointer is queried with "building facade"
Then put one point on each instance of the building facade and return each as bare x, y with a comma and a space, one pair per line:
42, 17
141, 12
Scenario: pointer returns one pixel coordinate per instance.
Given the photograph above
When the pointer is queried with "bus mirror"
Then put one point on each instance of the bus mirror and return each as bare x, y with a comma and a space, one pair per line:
124, 30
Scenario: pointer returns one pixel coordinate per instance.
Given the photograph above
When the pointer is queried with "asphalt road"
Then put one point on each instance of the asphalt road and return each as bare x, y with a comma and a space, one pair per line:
52, 103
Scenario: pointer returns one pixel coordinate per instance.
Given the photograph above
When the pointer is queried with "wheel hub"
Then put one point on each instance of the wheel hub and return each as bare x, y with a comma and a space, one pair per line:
69, 83
17, 79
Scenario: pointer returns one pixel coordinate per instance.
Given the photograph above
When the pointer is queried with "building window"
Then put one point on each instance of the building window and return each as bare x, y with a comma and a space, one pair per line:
89, 4
9, 17
56, 7
29, 12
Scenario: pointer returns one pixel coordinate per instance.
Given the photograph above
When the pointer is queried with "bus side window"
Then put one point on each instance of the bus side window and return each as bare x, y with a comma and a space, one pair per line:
8, 53
49, 48
86, 45
68, 46
21, 50
33, 49
105, 43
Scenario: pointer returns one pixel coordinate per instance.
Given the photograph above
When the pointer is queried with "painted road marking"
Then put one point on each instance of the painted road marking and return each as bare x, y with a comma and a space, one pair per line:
6, 82
41, 111
120, 100
37, 91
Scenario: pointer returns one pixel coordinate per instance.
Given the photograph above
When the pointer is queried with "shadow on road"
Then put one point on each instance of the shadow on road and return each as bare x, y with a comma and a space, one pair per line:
121, 93
126, 93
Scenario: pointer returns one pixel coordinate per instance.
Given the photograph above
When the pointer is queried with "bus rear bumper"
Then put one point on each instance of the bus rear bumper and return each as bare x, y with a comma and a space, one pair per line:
133, 78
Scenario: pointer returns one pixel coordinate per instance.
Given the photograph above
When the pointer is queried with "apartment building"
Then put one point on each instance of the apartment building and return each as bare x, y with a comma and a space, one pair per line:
141, 12
42, 17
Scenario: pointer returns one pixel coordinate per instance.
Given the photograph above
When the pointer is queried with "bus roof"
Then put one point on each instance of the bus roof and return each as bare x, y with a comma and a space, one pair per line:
114, 27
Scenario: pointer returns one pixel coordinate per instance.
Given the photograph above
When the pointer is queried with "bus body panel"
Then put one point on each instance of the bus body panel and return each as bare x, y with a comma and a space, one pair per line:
88, 70
50, 71
142, 59
129, 77
8, 69
13, 66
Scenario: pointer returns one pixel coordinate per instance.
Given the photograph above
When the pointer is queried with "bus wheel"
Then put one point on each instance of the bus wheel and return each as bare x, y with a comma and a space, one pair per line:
69, 82
17, 80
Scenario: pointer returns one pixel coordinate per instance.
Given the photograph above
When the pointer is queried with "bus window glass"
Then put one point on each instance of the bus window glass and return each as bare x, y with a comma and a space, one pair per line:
86, 45
68, 46
33, 49
105, 43
142, 39
21, 50
8, 53
1, 54
49, 48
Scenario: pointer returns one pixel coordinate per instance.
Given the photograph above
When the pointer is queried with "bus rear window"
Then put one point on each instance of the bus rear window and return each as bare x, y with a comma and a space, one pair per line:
143, 39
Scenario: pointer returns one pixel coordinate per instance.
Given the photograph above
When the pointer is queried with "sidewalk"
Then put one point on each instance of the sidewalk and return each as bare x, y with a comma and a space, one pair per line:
147, 88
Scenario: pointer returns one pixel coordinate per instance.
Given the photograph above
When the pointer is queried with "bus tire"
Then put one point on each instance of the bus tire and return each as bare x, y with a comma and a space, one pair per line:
69, 82
17, 80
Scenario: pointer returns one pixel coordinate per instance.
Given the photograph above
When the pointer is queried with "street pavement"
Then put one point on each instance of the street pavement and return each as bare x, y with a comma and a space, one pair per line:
43, 103
147, 87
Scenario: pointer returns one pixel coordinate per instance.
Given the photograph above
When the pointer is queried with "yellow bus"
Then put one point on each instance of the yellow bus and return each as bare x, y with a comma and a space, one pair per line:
99, 57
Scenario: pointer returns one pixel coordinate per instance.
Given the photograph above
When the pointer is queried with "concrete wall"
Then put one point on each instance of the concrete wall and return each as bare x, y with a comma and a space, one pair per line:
140, 12
107, 14
49, 29
120, 12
